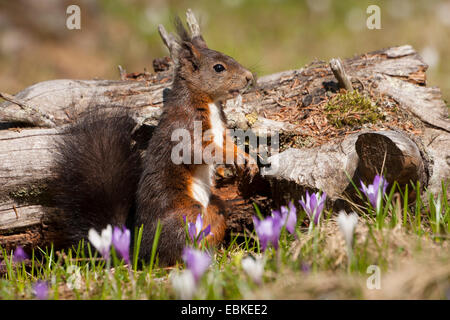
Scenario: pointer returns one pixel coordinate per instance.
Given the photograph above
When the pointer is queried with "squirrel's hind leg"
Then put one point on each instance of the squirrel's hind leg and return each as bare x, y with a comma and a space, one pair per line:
215, 216
172, 239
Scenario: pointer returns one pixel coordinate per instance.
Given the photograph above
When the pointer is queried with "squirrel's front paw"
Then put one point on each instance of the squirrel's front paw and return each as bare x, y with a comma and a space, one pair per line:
250, 169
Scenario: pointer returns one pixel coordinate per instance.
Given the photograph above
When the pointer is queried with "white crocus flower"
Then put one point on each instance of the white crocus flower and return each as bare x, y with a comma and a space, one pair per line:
254, 268
101, 242
184, 284
347, 224
438, 207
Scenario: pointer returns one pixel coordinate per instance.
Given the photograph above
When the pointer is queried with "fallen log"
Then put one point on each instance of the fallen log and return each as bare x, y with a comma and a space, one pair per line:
404, 132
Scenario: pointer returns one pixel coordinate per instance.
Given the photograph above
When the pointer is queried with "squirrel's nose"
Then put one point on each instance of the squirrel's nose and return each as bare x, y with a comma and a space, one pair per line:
249, 77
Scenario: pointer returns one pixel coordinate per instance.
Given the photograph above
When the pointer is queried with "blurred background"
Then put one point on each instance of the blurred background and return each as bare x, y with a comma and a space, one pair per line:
265, 35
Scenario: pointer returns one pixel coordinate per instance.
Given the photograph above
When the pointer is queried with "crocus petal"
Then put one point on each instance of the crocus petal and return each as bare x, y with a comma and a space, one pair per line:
347, 224
263, 241
276, 214
40, 289
284, 214
373, 195
278, 220
380, 181
94, 238
319, 209
107, 234
198, 224
376, 182
121, 241
385, 185
263, 230
291, 221
254, 268
19, 255
302, 203
375, 191
305, 204
197, 261
313, 206
268, 230
101, 243
192, 231
382, 185
277, 225
308, 205
195, 230
256, 222
184, 284
205, 232
306, 267
363, 187
292, 207
438, 206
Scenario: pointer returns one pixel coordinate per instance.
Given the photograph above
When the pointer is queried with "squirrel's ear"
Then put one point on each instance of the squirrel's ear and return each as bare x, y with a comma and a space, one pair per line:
191, 53
199, 42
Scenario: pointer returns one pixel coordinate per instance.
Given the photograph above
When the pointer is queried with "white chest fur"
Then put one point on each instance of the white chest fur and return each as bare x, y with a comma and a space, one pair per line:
203, 175
202, 182
216, 123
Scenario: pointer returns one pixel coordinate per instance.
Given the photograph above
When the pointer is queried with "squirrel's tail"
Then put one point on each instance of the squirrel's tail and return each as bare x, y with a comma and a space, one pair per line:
97, 169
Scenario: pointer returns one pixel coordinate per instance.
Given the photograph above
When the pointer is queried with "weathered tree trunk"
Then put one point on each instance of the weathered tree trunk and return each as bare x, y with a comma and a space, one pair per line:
410, 141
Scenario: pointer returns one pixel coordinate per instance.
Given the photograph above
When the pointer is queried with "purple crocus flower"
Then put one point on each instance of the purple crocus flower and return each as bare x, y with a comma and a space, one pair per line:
19, 255
268, 230
306, 267
121, 242
196, 231
288, 217
373, 193
291, 220
40, 290
314, 205
196, 261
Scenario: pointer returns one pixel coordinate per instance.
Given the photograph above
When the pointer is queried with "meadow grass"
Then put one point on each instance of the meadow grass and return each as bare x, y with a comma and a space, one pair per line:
408, 243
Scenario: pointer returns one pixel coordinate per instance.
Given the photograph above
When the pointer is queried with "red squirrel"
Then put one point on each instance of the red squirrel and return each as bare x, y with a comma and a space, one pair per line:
101, 178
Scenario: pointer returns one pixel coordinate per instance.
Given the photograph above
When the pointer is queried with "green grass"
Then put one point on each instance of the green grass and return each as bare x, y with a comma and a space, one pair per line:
409, 243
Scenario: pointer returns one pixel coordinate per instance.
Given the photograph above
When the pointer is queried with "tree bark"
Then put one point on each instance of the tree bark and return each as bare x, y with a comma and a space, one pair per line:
411, 142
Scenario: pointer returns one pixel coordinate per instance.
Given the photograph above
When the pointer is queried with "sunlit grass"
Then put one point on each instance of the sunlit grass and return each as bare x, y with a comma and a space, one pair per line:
400, 240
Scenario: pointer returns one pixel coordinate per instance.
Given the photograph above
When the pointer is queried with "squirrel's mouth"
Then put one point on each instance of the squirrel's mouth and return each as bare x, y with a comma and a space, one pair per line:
235, 92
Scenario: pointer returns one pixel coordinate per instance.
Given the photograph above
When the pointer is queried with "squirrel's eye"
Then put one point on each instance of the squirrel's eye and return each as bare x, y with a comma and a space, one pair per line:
219, 67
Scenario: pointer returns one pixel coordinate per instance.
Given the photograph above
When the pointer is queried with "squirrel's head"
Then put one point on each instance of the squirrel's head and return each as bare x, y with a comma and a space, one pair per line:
207, 71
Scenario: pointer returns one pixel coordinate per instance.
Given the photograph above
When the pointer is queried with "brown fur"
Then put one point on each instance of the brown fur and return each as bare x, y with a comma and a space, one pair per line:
96, 171
164, 189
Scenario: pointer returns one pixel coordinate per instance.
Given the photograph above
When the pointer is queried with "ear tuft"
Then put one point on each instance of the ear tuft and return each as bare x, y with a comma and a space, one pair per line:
181, 30
199, 42
191, 53
188, 43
